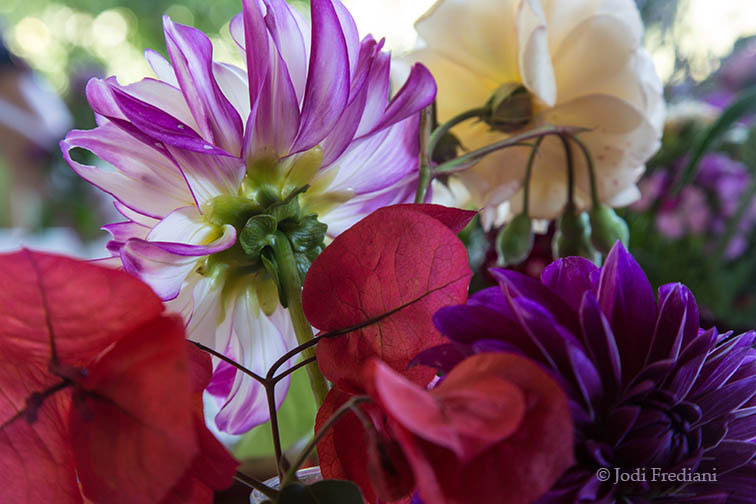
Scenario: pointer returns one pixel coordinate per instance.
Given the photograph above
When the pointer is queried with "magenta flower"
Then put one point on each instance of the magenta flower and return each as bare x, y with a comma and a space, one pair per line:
206, 146
649, 389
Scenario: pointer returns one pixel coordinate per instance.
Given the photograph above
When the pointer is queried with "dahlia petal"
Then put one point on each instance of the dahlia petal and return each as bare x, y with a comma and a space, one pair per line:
259, 342
158, 94
144, 180
160, 125
208, 175
162, 67
620, 422
379, 84
164, 266
728, 456
726, 399
586, 376
627, 300
134, 216
569, 278
232, 81
599, 340
289, 38
250, 32
716, 372
676, 324
191, 53
690, 364
327, 89
351, 35
277, 115
377, 161
344, 132
531, 288
417, 93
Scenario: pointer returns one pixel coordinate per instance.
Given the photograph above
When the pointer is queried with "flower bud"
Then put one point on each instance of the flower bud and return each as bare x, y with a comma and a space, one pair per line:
606, 228
573, 237
514, 242
510, 108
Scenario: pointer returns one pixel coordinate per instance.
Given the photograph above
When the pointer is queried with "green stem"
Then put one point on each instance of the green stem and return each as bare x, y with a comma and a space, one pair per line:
570, 171
473, 157
289, 277
528, 173
425, 176
591, 170
442, 130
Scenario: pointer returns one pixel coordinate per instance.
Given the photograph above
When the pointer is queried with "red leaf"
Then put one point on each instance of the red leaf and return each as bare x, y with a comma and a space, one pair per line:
453, 218
138, 404
95, 385
398, 263
35, 459
86, 307
343, 449
476, 445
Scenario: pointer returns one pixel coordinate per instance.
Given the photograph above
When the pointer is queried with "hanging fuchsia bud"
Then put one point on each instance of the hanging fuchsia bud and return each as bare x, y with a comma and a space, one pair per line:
514, 242
607, 228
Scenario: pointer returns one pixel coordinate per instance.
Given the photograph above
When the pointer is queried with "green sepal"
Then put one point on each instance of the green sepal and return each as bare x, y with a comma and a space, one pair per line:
322, 492
607, 228
268, 259
573, 237
515, 241
257, 234
307, 234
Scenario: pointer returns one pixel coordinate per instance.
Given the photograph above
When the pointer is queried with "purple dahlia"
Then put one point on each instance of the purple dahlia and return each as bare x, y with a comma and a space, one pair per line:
305, 136
651, 392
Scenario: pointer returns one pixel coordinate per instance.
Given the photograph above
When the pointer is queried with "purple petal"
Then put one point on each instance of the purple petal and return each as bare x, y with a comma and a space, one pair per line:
209, 175
255, 44
327, 89
627, 300
417, 93
160, 125
277, 115
379, 84
145, 180
599, 341
443, 357
728, 456
284, 29
351, 35
164, 266
162, 67
191, 53
569, 278
677, 322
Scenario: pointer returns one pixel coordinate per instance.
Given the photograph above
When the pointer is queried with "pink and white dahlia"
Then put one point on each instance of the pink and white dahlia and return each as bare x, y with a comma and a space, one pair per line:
306, 135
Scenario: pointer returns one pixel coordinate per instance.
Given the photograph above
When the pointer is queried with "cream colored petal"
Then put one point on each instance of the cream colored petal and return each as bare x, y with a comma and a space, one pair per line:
597, 57
458, 88
562, 16
534, 59
480, 35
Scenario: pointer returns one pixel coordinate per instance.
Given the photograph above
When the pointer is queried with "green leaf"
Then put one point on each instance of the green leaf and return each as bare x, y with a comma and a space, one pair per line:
322, 492
257, 234
307, 234
271, 266
745, 104
296, 421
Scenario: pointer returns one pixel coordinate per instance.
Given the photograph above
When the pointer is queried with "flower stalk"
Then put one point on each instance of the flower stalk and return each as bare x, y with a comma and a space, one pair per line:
289, 278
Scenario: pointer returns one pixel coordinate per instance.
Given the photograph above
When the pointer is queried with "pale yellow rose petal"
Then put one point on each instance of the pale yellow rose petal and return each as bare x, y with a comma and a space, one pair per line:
479, 35
534, 59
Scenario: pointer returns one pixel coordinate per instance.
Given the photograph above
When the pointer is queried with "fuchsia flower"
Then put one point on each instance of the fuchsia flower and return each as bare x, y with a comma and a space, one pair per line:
206, 146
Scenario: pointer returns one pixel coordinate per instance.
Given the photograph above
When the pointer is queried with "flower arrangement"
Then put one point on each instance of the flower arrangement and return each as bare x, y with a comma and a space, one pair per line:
283, 217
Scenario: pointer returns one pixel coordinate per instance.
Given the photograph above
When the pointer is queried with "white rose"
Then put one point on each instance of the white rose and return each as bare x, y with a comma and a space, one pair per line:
583, 64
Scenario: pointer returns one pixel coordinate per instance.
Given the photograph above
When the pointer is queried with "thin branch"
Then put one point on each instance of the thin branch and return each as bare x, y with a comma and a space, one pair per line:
570, 169
287, 372
347, 406
425, 175
270, 392
34, 401
256, 485
230, 361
